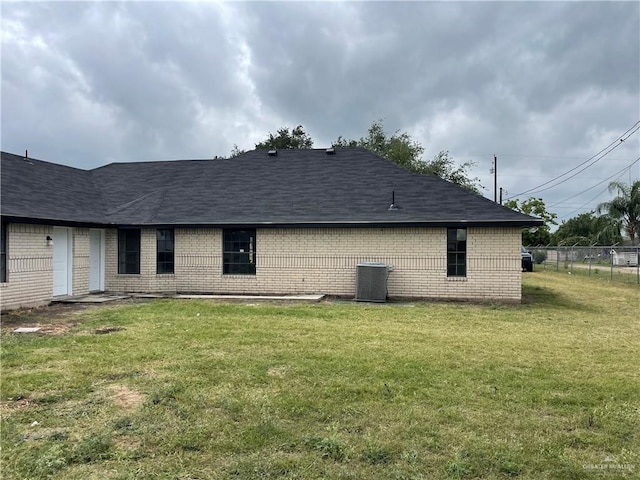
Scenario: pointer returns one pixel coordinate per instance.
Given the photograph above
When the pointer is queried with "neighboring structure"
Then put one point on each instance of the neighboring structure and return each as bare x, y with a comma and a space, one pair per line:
294, 221
625, 259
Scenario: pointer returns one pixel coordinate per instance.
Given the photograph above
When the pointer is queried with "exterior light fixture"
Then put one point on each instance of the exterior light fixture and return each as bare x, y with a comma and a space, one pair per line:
49, 241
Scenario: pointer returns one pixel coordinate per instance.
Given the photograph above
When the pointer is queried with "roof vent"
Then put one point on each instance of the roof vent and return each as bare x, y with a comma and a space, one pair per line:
272, 153
26, 157
330, 151
393, 205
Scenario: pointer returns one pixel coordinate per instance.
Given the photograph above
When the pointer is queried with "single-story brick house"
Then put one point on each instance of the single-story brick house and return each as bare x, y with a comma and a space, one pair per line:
285, 222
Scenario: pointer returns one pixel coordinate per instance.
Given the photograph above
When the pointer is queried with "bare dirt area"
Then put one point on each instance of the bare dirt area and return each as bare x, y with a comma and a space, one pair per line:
54, 319
126, 398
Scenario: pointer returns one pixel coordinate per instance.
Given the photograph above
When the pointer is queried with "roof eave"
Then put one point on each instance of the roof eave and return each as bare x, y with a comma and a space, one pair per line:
346, 224
54, 222
532, 222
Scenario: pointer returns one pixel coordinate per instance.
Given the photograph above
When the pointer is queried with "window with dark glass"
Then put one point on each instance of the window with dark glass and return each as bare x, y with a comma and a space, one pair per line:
3, 252
164, 249
239, 252
456, 252
129, 251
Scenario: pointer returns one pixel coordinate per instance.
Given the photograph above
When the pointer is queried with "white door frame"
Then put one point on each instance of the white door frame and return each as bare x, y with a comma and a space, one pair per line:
101, 259
67, 234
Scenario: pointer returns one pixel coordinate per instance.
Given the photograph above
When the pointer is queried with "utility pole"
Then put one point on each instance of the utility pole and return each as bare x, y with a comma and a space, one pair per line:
495, 179
500, 195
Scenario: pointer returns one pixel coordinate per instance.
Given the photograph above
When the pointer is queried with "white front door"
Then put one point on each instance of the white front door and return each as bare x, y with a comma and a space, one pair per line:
62, 257
96, 270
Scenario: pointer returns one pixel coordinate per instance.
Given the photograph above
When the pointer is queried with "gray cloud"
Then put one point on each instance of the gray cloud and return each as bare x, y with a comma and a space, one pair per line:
543, 85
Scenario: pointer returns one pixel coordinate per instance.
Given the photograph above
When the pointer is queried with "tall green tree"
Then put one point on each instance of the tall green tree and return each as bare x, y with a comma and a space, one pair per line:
236, 151
404, 151
588, 229
399, 148
443, 166
535, 207
285, 139
625, 207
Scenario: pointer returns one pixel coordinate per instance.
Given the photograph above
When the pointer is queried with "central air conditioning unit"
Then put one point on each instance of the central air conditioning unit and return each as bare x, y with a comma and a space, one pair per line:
371, 282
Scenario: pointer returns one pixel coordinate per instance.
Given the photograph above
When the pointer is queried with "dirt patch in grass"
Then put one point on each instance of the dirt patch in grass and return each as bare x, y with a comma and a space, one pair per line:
14, 404
46, 326
125, 398
55, 319
104, 330
128, 444
279, 371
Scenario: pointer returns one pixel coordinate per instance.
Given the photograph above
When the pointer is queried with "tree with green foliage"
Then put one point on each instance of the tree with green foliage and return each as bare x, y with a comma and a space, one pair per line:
625, 207
399, 148
535, 207
588, 229
236, 151
402, 150
285, 139
443, 166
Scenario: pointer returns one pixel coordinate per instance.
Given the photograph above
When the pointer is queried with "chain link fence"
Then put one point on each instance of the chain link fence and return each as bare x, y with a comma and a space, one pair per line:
614, 263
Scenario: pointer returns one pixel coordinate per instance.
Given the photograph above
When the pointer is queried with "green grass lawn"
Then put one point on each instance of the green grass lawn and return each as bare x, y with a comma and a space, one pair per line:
203, 390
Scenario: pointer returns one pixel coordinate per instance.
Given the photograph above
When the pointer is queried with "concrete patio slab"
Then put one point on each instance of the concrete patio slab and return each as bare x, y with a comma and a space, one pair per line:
102, 298
304, 298
92, 298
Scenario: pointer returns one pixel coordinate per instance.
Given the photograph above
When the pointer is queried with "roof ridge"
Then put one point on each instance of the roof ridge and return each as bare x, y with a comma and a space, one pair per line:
16, 157
146, 162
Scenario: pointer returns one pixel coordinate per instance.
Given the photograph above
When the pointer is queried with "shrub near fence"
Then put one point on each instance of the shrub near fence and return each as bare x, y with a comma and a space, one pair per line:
613, 262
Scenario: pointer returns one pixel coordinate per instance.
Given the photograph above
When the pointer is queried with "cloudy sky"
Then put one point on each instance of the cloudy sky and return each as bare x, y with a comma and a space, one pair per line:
550, 88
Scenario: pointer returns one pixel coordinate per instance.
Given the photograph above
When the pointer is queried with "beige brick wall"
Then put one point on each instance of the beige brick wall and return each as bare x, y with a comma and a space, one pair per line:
81, 239
323, 260
29, 267
147, 280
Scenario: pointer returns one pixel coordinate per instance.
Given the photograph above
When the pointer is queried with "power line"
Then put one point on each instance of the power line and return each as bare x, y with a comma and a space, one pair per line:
598, 156
475, 156
599, 183
617, 174
570, 214
583, 169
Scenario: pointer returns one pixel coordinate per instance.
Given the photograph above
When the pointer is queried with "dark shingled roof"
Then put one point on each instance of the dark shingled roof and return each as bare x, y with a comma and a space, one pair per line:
33, 189
296, 187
